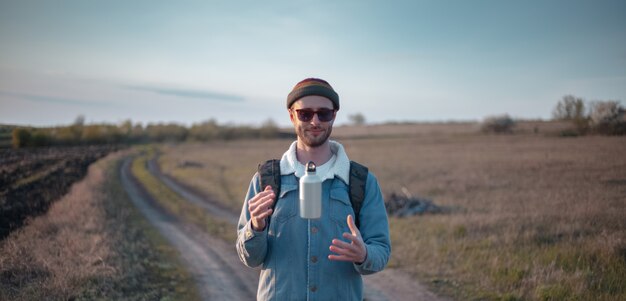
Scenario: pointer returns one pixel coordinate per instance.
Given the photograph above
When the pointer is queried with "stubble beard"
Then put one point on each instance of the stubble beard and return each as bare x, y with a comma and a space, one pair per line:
313, 141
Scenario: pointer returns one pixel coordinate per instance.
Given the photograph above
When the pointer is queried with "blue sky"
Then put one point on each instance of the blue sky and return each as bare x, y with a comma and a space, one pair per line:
236, 61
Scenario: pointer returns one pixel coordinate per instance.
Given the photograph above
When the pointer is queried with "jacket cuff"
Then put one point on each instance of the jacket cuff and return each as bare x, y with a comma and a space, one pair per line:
366, 265
250, 233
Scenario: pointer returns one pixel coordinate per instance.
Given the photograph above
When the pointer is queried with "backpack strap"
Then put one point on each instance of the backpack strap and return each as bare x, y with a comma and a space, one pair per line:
269, 173
358, 179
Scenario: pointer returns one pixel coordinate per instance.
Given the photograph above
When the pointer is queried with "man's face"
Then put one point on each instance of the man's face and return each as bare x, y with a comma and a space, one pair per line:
314, 132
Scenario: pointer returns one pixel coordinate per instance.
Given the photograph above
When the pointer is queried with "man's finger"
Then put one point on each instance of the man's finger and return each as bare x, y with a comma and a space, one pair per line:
339, 258
343, 252
340, 243
261, 198
264, 214
258, 213
353, 238
262, 194
263, 204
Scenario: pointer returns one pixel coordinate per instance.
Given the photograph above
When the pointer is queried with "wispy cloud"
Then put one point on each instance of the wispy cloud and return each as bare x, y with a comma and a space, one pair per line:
189, 93
53, 99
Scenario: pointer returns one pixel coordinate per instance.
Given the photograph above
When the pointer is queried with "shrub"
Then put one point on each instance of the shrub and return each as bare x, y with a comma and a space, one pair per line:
357, 119
498, 124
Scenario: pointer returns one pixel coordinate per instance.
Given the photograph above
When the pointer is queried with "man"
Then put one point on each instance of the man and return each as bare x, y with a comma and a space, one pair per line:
319, 259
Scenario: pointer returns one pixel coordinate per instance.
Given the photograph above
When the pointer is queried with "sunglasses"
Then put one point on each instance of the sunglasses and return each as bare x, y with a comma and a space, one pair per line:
324, 115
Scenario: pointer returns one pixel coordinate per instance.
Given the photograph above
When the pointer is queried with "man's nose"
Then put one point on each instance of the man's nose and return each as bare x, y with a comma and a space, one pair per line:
316, 120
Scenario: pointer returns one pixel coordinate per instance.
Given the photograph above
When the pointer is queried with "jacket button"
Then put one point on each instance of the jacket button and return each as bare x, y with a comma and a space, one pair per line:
313, 259
313, 288
314, 230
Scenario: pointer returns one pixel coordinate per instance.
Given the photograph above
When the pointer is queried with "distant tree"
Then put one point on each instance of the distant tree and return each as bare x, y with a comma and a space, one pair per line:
605, 112
126, 127
93, 134
357, 119
137, 133
20, 137
76, 129
166, 132
64, 135
205, 131
607, 117
80, 120
569, 107
572, 108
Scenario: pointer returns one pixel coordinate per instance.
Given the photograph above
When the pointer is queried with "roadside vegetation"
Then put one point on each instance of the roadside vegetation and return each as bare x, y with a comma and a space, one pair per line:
92, 244
175, 204
538, 217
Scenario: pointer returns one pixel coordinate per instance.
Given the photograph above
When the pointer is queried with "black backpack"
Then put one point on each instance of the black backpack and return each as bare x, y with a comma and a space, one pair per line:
269, 173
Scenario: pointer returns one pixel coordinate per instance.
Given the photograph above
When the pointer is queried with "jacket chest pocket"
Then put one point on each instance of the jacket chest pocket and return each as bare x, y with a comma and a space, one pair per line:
285, 207
340, 206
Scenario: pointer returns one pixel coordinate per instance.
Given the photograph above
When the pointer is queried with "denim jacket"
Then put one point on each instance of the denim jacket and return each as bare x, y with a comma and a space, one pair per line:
293, 252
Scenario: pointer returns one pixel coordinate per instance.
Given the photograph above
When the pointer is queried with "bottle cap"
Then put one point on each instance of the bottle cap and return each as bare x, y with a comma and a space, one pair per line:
310, 167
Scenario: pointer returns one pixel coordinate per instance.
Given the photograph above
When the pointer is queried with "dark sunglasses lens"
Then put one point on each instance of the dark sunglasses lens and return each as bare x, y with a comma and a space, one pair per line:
305, 115
325, 115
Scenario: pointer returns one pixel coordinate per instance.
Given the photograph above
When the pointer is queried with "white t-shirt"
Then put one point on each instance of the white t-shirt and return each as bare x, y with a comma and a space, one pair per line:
322, 171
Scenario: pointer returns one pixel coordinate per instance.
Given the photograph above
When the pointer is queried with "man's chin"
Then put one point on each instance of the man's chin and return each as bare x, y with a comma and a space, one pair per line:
315, 141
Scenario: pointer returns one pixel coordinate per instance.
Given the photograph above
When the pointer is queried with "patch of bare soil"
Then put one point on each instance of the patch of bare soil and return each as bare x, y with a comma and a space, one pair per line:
32, 179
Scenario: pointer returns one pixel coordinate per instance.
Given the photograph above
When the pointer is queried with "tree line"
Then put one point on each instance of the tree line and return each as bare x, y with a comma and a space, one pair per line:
600, 117
126, 132
595, 117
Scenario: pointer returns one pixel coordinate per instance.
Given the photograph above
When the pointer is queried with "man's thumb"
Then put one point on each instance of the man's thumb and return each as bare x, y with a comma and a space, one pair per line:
351, 225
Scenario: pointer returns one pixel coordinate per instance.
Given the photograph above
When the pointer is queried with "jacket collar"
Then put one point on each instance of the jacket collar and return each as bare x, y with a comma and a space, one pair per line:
341, 168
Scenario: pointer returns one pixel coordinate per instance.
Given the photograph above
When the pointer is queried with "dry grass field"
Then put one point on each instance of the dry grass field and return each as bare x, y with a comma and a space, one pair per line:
536, 217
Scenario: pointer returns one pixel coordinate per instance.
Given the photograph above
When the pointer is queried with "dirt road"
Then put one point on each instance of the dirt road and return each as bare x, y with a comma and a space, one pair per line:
211, 261
214, 263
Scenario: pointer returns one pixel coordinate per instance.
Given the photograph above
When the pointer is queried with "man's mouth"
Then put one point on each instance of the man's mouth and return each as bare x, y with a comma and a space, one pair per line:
316, 131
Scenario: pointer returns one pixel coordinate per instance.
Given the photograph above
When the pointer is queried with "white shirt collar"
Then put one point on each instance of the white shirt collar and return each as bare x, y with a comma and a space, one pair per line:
340, 167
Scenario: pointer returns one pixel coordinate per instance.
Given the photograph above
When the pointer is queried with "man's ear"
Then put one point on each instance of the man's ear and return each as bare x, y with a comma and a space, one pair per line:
291, 115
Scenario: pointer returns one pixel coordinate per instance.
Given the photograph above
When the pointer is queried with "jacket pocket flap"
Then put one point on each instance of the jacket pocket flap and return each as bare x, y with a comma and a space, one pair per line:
341, 195
286, 188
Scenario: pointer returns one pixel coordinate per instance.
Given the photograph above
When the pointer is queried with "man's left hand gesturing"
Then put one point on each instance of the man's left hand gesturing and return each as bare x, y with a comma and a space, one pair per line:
354, 251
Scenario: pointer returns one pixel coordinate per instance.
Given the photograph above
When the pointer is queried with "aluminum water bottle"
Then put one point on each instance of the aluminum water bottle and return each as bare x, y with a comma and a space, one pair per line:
310, 193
